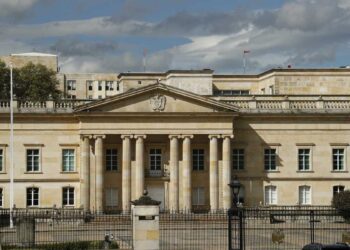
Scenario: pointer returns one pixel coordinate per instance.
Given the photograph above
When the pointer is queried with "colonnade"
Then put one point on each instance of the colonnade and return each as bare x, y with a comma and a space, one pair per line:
175, 174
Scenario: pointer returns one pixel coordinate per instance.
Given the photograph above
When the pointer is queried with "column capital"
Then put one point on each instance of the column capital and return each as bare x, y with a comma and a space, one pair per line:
227, 136
214, 136
85, 136
174, 136
99, 136
126, 136
140, 136
187, 136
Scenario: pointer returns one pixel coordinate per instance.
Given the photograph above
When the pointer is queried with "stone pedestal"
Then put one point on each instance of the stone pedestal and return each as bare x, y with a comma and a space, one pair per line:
145, 212
25, 231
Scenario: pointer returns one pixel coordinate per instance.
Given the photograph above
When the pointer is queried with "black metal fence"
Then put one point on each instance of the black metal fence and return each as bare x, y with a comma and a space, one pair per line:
263, 228
47, 228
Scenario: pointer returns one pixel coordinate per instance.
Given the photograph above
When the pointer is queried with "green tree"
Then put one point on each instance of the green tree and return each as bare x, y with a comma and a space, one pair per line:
33, 82
341, 202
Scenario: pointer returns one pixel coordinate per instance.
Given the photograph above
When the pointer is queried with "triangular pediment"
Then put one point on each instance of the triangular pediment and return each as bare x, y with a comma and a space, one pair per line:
157, 98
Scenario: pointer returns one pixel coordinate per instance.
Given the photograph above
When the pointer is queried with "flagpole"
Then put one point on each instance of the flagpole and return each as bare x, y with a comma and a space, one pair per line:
11, 148
244, 62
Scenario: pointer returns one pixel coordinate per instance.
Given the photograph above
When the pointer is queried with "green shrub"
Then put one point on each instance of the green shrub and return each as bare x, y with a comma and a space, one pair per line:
341, 202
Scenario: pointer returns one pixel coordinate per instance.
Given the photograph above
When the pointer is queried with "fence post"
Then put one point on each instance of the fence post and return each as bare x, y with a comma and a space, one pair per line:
229, 213
241, 229
312, 226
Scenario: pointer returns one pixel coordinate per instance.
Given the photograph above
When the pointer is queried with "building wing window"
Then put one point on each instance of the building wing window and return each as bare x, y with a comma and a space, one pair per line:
238, 159
270, 159
304, 159
338, 159
198, 159
1, 160
68, 160
271, 195
1, 197
32, 197
198, 196
33, 160
99, 85
338, 189
71, 85
68, 196
111, 159
230, 92
304, 195
109, 85
111, 197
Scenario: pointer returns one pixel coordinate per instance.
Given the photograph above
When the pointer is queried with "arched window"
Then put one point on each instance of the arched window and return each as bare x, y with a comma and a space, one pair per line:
305, 195
270, 195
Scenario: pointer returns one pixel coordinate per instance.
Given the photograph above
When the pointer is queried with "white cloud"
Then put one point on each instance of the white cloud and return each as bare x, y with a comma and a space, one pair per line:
15, 7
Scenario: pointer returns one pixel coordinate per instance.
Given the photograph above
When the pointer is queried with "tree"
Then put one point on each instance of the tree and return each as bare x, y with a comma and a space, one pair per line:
33, 82
341, 202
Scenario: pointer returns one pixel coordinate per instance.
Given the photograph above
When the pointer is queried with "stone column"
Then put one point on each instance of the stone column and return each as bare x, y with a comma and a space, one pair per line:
139, 168
99, 171
186, 172
174, 173
126, 172
213, 173
226, 171
85, 172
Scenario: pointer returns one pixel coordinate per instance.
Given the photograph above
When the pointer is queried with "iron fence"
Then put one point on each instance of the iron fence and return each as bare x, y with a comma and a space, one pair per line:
48, 227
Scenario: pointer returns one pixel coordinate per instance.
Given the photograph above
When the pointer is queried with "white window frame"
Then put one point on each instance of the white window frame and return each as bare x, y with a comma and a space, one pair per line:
153, 157
100, 86
32, 197
302, 199
74, 160
310, 159
238, 162
112, 201
71, 85
276, 156
344, 159
67, 198
196, 199
109, 85
90, 83
39, 160
111, 159
2, 159
197, 168
269, 200
337, 186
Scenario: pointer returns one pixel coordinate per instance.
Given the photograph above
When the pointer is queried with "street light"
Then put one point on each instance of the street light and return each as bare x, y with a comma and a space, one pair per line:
235, 186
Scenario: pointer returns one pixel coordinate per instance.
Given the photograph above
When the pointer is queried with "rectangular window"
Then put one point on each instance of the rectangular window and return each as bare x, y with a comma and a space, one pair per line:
304, 159
90, 97
238, 159
198, 159
270, 159
71, 85
68, 196
32, 197
155, 159
271, 195
117, 86
338, 159
1, 198
99, 85
90, 85
111, 197
338, 189
304, 195
100, 97
33, 160
68, 160
109, 85
198, 196
1, 160
111, 159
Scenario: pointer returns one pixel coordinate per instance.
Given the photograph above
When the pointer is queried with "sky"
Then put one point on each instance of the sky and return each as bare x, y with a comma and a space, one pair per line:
113, 35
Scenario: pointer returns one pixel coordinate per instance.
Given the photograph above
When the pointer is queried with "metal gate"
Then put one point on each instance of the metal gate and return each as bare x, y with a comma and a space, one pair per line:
235, 229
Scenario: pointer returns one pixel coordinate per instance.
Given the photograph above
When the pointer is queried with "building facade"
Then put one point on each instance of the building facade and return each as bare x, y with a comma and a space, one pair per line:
182, 135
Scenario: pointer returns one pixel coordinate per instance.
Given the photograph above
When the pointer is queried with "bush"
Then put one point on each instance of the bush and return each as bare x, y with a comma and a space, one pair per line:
341, 202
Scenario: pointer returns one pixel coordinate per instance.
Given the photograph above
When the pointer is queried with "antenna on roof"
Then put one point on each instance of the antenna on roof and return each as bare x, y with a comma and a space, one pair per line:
244, 60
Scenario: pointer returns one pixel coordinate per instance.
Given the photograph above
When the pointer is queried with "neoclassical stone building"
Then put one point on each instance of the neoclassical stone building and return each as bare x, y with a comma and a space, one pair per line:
182, 135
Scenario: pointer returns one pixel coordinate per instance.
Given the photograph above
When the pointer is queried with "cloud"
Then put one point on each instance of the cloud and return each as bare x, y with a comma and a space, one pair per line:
15, 8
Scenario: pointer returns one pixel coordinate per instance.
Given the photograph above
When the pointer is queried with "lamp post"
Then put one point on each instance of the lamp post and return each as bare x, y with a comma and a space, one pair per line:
235, 218
235, 186
11, 149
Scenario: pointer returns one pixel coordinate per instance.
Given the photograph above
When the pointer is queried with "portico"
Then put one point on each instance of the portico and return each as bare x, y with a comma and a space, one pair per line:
191, 157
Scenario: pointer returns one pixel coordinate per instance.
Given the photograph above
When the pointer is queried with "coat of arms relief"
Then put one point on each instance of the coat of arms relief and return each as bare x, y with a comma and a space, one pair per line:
158, 102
